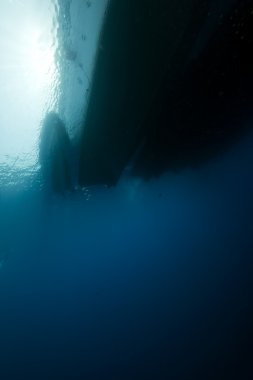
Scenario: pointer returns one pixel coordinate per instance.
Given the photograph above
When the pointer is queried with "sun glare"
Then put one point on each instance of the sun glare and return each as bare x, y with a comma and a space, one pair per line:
29, 78
40, 58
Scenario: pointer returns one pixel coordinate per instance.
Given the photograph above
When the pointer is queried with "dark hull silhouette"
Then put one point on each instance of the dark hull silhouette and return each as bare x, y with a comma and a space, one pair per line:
55, 154
174, 78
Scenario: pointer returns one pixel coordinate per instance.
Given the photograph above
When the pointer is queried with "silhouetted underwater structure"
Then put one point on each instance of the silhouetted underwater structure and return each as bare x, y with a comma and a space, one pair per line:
55, 153
172, 79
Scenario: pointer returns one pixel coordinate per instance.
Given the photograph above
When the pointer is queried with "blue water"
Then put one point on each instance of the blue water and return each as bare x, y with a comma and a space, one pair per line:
142, 281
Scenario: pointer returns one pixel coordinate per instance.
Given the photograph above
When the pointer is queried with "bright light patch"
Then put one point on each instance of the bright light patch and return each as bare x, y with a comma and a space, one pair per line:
40, 57
29, 78
48, 50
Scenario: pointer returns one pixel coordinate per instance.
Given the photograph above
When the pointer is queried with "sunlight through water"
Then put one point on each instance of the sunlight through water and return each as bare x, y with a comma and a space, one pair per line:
48, 52
29, 79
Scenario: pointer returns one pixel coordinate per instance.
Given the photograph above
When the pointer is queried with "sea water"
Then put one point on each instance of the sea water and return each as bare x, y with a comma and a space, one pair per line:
146, 280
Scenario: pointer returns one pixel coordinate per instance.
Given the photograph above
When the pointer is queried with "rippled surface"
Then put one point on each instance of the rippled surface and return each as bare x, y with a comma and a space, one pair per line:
47, 54
80, 26
29, 78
